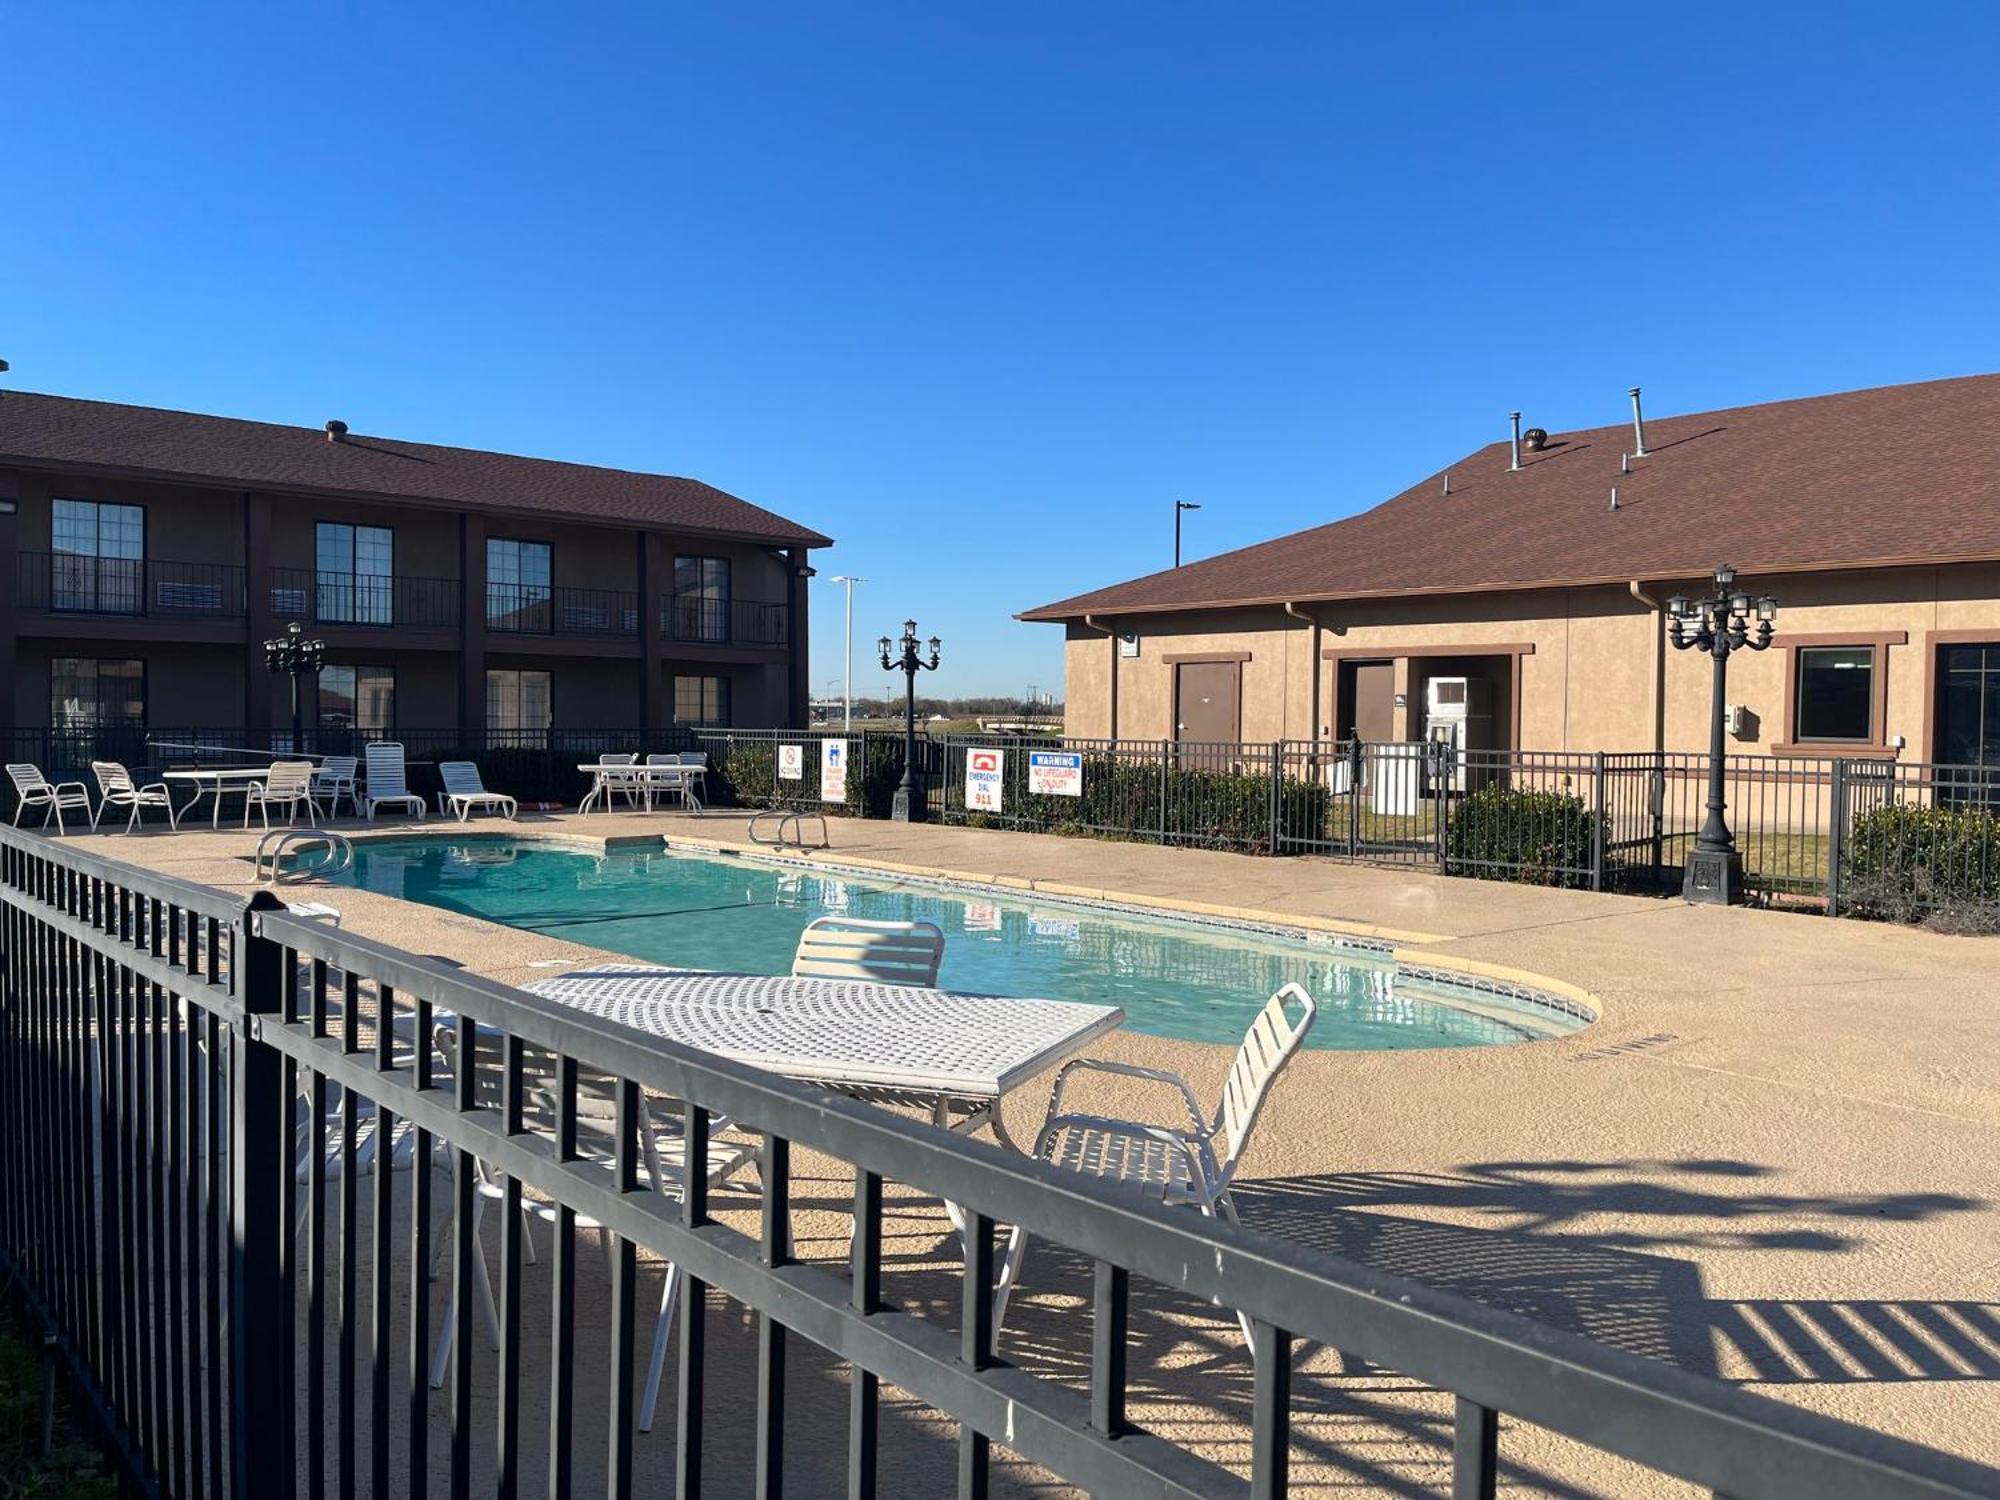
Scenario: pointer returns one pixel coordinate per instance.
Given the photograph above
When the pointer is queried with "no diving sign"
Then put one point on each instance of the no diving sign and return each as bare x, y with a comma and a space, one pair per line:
982, 779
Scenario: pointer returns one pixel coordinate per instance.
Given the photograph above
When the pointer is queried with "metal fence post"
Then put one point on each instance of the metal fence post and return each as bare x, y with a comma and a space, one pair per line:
1163, 789
1836, 839
1597, 822
1656, 807
1277, 793
260, 1138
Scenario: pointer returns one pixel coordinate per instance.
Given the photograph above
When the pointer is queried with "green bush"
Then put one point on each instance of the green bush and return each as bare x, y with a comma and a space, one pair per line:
72, 1469
1903, 861
1535, 838
744, 774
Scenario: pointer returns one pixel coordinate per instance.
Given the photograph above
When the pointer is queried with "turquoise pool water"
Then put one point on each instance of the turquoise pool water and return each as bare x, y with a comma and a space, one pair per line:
1177, 979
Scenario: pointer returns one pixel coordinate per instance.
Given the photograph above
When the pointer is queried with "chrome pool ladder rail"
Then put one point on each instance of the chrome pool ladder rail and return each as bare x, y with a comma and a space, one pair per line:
787, 820
268, 865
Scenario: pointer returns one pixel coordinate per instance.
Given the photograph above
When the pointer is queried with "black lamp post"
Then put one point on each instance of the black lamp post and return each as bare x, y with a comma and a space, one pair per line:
1718, 625
297, 655
908, 806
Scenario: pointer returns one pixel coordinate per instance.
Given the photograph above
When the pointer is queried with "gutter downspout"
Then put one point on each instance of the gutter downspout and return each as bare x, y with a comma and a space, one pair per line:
1314, 728
1657, 792
1091, 623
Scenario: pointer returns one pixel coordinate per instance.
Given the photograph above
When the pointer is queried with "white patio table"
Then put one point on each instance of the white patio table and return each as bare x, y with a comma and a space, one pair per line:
957, 1055
644, 780
217, 784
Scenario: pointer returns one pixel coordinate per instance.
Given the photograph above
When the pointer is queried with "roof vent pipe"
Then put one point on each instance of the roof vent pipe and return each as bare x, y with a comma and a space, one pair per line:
1447, 484
1515, 418
1638, 427
336, 430
1614, 497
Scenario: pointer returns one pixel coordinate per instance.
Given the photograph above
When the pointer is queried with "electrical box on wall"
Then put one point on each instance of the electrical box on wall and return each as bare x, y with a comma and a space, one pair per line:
1128, 644
1735, 717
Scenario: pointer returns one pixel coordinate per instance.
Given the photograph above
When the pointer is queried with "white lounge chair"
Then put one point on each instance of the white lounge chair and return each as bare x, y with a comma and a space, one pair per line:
33, 789
388, 780
662, 1159
886, 952
115, 789
336, 778
464, 793
1173, 1164
288, 785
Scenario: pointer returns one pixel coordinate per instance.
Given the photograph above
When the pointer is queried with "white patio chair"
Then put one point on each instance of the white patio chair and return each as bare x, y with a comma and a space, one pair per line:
629, 787
1171, 1164
388, 780
464, 793
336, 778
33, 789
688, 787
115, 789
288, 785
886, 952
662, 1160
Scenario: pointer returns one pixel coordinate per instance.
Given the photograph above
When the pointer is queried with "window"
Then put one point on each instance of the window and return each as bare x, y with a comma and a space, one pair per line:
701, 598
517, 586
518, 705
358, 700
357, 566
87, 692
1836, 694
1968, 706
99, 557
701, 700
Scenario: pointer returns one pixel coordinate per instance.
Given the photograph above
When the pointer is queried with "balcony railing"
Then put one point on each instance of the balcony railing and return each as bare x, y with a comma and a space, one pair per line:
702, 619
537, 609
359, 599
144, 588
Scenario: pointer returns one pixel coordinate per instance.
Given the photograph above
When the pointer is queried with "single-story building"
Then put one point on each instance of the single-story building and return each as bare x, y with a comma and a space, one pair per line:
1522, 588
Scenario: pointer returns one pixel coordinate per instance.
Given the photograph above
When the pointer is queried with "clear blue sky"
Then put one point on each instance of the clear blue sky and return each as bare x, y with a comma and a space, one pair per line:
978, 289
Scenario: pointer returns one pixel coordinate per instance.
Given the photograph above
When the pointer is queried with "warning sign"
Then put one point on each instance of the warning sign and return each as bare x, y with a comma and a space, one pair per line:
792, 762
833, 770
982, 779
1055, 773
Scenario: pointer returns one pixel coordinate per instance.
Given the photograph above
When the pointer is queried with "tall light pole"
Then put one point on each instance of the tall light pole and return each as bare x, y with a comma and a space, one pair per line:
1718, 625
1179, 507
908, 806
848, 691
297, 655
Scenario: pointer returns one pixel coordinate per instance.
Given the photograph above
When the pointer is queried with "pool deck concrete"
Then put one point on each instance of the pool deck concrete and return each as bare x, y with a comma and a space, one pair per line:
1774, 1159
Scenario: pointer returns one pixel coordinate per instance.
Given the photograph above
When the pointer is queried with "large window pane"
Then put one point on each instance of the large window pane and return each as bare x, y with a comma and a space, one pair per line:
517, 585
358, 700
701, 598
519, 706
88, 692
99, 557
1836, 693
701, 700
356, 571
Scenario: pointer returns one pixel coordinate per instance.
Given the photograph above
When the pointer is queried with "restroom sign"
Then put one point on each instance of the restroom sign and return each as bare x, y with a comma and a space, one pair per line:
1055, 773
982, 779
792, 762
833, 770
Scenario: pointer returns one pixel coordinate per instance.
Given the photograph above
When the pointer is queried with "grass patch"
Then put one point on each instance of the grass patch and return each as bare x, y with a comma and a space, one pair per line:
73, 1469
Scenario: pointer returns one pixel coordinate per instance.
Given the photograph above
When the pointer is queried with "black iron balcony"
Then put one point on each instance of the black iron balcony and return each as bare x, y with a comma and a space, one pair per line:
702, 619
80, 583
362, 599
537, 609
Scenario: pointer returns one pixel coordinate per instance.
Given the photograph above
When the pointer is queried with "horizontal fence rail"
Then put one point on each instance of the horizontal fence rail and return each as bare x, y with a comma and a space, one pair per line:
86, 584
1869, 837
326, 598
237, 1140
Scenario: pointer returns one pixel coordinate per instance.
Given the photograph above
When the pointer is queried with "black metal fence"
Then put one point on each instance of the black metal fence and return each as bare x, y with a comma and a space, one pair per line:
235, 1143
80, 583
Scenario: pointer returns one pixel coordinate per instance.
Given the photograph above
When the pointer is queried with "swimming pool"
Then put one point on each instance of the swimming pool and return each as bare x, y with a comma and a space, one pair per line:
1174, 978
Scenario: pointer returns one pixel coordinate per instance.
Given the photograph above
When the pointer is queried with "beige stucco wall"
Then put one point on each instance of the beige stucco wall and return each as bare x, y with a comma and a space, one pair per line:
1587, 683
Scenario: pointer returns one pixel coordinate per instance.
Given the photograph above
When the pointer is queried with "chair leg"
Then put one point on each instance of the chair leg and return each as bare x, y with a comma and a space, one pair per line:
1010, 1272
659, 1359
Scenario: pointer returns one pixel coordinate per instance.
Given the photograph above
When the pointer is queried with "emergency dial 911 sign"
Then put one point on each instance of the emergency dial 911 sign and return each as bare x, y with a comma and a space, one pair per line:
982, 779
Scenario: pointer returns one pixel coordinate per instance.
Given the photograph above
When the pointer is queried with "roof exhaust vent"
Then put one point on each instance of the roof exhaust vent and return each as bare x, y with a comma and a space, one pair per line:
1638, 427
1535, 439
336, 430
1447, 484
1614, 497
1515, 418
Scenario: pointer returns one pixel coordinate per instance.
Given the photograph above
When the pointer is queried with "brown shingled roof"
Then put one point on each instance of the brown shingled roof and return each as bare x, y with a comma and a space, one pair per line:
1905, 474
63, 432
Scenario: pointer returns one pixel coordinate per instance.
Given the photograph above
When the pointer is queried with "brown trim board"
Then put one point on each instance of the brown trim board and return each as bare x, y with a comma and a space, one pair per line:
1179, 658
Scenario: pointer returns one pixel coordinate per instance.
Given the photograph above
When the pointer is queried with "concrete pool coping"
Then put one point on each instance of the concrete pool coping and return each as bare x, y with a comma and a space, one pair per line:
1774, 1159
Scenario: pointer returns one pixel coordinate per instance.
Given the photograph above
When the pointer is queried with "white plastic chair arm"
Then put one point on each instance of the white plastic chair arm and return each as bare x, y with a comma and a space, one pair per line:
1127, 1070
65, 786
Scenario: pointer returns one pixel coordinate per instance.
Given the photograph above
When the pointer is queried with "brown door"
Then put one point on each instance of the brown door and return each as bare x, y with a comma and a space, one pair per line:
1206, 701
1372, 712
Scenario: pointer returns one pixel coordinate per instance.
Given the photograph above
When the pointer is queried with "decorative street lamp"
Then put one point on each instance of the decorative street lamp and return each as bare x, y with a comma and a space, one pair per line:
1718, 625
298, 656
908, 806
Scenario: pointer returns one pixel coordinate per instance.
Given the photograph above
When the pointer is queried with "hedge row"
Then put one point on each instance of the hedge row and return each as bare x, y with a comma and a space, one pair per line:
1903, 861
1528, 837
